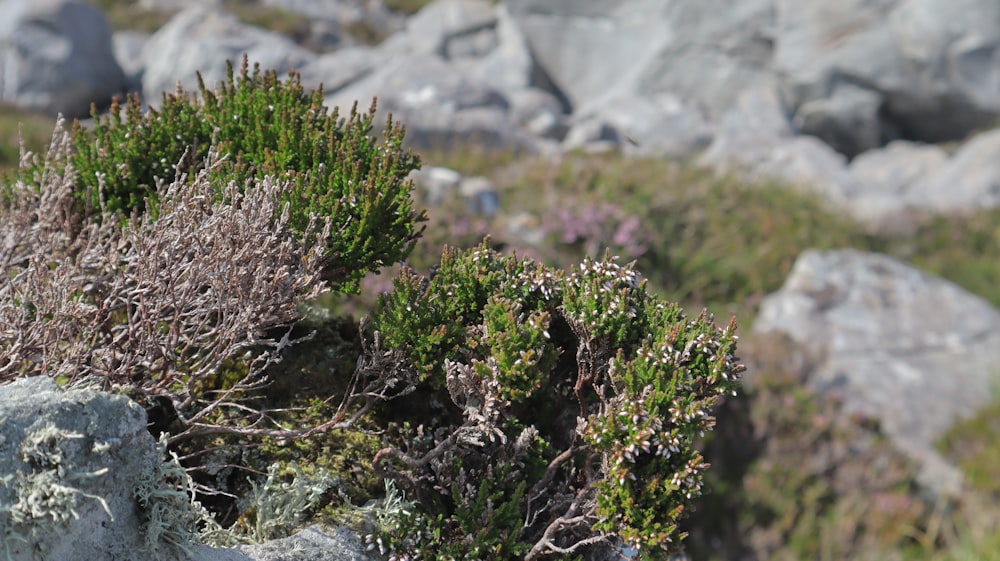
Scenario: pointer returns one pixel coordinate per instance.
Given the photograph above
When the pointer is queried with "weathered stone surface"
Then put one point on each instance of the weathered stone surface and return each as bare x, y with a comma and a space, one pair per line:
889, 174
339, 69
895, 168
72, 466
914, 351
56, 57
655, 125
969, 180
848, 119
801, 161
70, 462
201, 39
592, 134
128, 47
510, 65
927, 69
313, 544
538, 112
704, 52
440, 106
450, 29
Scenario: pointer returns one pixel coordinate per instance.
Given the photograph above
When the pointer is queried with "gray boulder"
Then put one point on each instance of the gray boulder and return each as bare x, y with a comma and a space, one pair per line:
450, 29
477, 37
339, 69
202, 39
749, 131
128, 47
898, 345
889, 175
440, 106
653, 125
802, 162
968, 181
705, 52
510, 65
892, 170
592, 135
315, 543
859, 73
81, 479
70, 464
56, 57
538, 112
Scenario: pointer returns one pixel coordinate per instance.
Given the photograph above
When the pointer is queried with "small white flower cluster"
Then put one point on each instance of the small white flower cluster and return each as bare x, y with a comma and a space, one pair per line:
690, 478
542, 280
646, 434
611, 271
617, 291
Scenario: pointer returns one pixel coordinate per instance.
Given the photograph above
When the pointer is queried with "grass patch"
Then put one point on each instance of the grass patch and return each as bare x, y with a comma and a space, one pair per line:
961, 248
290, 24
407, 7
17, 124
128, 15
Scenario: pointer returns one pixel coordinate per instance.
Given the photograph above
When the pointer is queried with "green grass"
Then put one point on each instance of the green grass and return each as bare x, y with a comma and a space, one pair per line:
17, 124
406, 6
127, 15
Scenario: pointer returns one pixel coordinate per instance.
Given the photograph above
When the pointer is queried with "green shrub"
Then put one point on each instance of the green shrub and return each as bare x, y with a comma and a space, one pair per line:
262, 126
569, 405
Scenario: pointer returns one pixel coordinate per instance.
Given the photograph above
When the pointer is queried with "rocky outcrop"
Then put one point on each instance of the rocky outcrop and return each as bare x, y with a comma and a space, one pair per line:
859, 73
71, 462
440, 106
969, 180
56, 57
703, 52
913, 351
201, 39
83, 480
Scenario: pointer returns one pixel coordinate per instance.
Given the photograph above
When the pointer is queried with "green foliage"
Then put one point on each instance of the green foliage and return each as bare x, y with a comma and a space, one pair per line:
484, 526
516, 346
455, 298
263, 127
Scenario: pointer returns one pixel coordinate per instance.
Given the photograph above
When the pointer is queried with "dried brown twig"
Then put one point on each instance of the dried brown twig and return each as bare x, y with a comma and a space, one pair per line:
160, 303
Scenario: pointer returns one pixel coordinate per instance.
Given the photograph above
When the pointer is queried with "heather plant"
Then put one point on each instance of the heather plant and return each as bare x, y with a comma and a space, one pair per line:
264, 127
569, 404
184, 309
597, 226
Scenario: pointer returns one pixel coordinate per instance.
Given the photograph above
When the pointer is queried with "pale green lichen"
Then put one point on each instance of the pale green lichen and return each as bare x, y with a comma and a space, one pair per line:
44, 495
174, 520
279, 505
